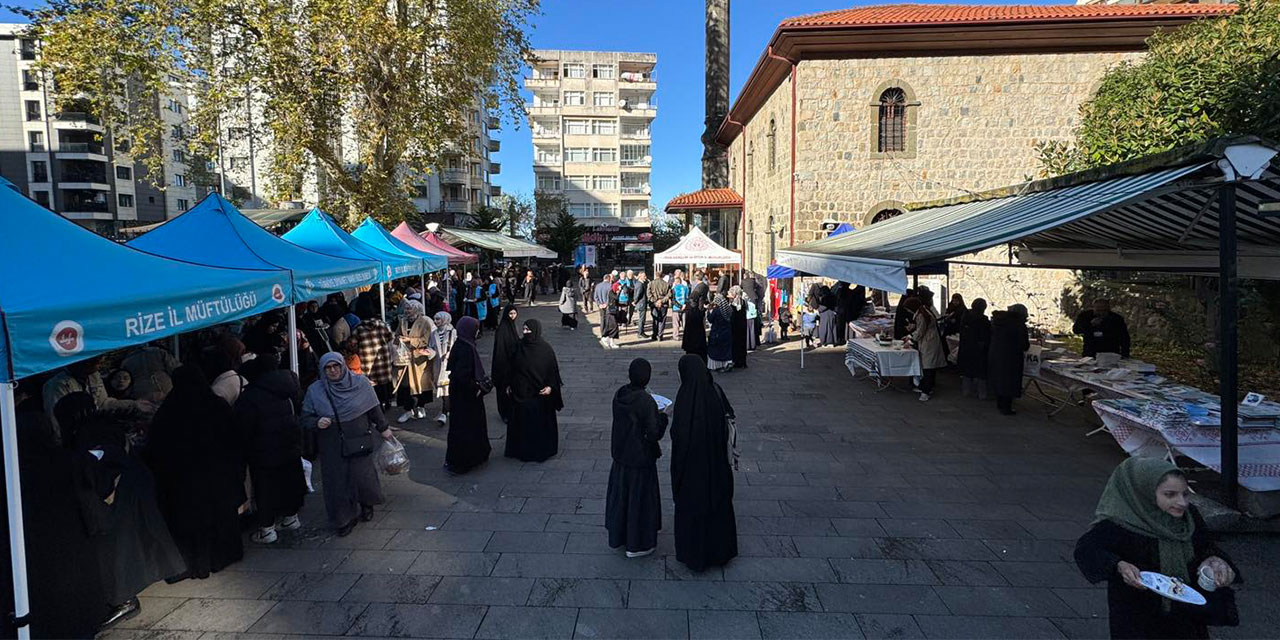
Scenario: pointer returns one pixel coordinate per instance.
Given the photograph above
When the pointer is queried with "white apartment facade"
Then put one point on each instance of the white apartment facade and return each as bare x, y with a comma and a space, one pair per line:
591, 119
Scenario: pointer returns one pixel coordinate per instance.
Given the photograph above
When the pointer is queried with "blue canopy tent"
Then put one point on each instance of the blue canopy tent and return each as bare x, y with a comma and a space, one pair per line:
319, 232
377, 236
49, 320
215, 233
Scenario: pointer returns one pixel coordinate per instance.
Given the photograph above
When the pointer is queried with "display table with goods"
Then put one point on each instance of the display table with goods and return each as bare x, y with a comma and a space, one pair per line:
1073, 377
882, 359
871, 325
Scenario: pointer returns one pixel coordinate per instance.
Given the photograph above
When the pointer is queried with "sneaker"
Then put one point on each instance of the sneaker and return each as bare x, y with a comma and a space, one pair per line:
405, 417
290, 523
442, 418
604, 342
639, 554
265, 535
121, 613
924, 397
420, 412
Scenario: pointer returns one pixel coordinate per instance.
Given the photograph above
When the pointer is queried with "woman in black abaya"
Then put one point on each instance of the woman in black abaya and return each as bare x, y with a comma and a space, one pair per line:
533, 434
505, 340
199, 464
468, 441
695, 329
720, 341
633, 504
701, 470
738, 326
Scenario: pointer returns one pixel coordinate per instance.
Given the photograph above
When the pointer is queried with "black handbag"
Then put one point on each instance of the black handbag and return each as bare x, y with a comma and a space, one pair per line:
356, 445
485, 385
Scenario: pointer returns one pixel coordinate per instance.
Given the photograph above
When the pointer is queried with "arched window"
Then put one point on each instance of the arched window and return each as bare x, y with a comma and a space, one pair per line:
885, 214
751, 160
893, 121
773, 145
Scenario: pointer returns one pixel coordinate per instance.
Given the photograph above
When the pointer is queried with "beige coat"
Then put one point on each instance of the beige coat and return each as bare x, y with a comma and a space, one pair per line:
420, 374
928, 341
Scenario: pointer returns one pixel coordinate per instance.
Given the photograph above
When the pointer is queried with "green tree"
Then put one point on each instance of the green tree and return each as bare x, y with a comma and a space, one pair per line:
368, 95
667, 230
518, 211
547, 208
1211, 78
489, 219
563, 234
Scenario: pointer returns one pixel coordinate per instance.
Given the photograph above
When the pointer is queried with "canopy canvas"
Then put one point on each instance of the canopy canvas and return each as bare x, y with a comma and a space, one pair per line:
493, 241
431, 244
215, 233
319, 232
377, 236
697, 248
51, 318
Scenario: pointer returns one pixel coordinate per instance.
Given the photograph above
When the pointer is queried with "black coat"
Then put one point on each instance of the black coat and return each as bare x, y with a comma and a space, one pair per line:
1009, 345
265, 416
637, 428
1138, 613
975, 344
706, 532
468, 440
1112, 336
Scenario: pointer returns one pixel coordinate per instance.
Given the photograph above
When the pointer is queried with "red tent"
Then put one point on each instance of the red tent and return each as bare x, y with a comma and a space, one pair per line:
429, 243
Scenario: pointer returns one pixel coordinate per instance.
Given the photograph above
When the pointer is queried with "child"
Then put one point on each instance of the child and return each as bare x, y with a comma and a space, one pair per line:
808, 326
784, 320
351, 353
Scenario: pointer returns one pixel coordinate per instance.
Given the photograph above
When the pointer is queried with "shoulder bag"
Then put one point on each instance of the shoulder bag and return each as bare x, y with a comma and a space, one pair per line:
355, 444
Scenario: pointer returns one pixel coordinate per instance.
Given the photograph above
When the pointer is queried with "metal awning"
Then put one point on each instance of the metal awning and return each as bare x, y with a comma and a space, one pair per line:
493, 241
1158, 212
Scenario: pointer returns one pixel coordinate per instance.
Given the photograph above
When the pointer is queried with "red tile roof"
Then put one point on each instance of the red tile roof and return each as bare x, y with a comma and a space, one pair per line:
914, 14
706, 199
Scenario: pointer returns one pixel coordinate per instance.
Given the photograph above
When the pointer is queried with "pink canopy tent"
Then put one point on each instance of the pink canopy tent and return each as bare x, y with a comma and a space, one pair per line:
405, 234
456, 255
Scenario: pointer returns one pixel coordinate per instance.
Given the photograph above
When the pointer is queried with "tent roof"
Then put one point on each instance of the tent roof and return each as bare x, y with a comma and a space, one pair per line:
319, 232
376, 235
261, 217
510, 247
51, 318
430, 242
1124, 216
214, 233
697, 248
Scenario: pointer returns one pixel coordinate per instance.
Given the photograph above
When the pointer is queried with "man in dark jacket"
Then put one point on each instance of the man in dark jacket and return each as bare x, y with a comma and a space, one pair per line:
639, 297
658, 295
1102, 330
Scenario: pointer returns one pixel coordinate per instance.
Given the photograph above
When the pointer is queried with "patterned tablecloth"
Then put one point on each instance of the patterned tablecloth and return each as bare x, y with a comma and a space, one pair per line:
881, 362
1259, 463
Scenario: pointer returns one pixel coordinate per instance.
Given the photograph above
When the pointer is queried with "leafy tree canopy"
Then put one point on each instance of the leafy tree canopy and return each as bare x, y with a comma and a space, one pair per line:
563, 233
489, 219
1211, 78
369, 94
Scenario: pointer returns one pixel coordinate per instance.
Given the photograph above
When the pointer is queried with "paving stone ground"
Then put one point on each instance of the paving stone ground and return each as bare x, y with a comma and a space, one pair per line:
861, 514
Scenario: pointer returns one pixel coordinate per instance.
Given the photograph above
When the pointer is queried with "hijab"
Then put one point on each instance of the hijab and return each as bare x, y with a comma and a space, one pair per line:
443, 320
735, 296
351, 395
353, 320
1019, 310
505, 340
413, 310
536, 360
1129, 500
467, 328
700, 474
639, 373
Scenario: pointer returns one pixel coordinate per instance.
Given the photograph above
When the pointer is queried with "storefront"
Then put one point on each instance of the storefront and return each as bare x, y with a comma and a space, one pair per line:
615, 247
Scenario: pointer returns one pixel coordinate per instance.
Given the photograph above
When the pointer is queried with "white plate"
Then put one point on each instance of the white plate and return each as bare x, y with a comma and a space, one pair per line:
663, 402
1163, 585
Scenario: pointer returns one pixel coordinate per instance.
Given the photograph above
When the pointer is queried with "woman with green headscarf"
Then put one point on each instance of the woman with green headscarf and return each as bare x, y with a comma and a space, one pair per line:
1144, 522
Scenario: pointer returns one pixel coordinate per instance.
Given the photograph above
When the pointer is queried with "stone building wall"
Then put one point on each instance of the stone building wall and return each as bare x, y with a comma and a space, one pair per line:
765, 187
973, 126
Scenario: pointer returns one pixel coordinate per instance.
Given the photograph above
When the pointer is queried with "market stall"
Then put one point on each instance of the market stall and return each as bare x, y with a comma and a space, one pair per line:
695, 248
493, 241
431, 243
881, 360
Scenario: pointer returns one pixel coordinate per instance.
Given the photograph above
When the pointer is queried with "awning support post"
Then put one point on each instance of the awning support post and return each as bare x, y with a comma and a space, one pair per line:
13, 497
1228, 374
382, 300
293, 338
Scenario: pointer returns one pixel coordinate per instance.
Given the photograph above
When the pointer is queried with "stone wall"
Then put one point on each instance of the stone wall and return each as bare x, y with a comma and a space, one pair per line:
973, 126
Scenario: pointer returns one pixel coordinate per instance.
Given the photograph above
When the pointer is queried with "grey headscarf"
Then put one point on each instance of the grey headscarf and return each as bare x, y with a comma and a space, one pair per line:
345, 398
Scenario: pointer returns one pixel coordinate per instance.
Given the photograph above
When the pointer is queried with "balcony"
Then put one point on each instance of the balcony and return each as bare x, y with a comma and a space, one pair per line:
641, 134
493, 122
541, 83
541, 133
546, 162
453, 176
635, 191
640, 109
495, 146
495, 191
77, 120
543, 109
495, 168
455, 206
645, 162
81, 151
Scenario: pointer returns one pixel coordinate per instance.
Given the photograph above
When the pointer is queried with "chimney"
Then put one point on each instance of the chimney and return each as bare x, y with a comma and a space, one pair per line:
715, 158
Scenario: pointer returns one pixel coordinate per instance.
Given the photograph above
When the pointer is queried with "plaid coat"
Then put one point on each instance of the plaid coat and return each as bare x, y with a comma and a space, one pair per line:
372, 337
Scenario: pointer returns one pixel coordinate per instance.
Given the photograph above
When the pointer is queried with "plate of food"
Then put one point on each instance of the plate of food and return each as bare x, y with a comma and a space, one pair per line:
1171, 588
663, 401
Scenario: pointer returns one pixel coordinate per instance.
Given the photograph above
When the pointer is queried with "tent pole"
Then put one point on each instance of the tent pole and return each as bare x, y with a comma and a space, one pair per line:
382, 300
293, 338
13, 486
1228, 300
176, 346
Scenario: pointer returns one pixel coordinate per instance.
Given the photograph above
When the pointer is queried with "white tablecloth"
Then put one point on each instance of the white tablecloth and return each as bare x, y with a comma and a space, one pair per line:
869, 326
1259, 463
881, 362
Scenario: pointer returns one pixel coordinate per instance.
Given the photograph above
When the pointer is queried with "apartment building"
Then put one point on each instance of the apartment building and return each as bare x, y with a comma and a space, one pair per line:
64, 159
464, 180
591, 119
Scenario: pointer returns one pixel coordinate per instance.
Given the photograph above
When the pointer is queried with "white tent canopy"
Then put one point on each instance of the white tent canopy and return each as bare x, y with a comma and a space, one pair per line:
697, 248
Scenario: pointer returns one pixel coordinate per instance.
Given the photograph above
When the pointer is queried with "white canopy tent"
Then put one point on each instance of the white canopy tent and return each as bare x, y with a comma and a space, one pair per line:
697, 248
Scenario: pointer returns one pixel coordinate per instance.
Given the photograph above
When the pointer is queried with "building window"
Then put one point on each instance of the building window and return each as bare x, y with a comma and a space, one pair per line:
602, 71
893, 121
575, 70
42, 197
548, 156
575, 98
635, 210
773, 145
36, 139
28, 49
124, 173
635, 155
605, 183
548, 183
603, 209
599, 154
33, 110
604, 127
122, 146
124, 199
751, 160
602, 98
183, 204
177, 132
174, 106
179, 155
885, 214
577, 154
580, 210
577, 127
29, 82
39, 171
239, 163
179, 180
578, 183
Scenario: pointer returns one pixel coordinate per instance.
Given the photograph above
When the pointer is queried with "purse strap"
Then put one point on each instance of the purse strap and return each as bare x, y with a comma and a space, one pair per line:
333, 405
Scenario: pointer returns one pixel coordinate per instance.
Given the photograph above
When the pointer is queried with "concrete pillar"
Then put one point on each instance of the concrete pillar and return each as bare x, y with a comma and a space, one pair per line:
715, 158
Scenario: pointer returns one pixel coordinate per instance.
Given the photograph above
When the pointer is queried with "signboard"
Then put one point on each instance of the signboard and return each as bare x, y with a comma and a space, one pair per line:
637, 246
584, 255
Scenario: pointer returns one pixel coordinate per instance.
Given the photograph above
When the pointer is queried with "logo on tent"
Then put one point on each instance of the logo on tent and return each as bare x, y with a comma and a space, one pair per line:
388, 271
67, 338
277, 293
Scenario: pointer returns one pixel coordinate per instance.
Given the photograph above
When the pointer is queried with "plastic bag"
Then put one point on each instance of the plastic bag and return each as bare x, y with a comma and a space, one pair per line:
392, 458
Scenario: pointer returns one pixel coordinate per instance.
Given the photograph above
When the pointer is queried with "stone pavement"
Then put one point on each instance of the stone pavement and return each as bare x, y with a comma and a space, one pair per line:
860, 514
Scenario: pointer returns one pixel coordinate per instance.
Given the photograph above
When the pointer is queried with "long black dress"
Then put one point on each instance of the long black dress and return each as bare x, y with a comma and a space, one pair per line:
1009, 343
468, 441
198, 460
706, 531
633, 504
720, 340
975, 342
1135, 613
695, 329
533, 434
738, 326
266, 421
505, 341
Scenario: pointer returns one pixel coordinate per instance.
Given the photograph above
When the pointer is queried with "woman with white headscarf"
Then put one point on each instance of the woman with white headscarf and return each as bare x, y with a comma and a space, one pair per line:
418, 381
441, 343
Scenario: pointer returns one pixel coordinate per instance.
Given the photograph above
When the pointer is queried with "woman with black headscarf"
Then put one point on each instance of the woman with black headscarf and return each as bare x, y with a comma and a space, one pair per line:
975, 342
266, 421
533, 434
505, 341
468, 440
345, 411
738, 326
633, 504
1009, 345
695, 329
702, 470
199, 466
720, 340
